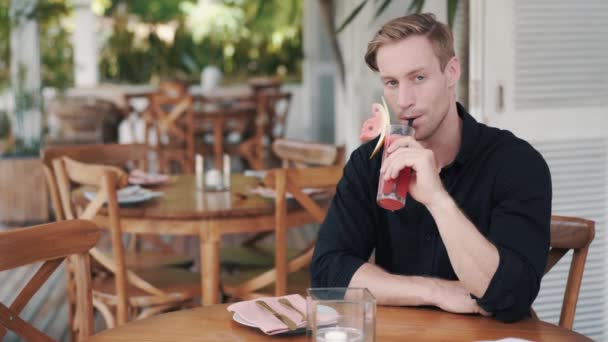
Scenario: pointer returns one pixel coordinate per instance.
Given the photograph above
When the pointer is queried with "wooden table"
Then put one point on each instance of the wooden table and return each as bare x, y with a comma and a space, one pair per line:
184, 210
214, 323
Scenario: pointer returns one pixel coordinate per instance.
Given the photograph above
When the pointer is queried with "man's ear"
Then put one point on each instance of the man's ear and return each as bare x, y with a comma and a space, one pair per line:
452, 71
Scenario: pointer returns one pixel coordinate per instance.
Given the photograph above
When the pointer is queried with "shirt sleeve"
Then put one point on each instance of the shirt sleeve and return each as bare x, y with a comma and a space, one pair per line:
520, 230
346, 238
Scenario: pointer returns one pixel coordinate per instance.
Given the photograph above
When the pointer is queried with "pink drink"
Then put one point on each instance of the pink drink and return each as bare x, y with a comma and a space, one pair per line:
392, 193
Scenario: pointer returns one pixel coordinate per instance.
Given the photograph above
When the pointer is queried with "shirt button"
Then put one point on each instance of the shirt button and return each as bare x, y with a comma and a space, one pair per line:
428, 238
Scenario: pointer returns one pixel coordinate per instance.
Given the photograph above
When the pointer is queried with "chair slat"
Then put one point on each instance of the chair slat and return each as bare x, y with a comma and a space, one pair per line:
43, 273
17, 325
313, 177
570, 233
58, 241
307, 153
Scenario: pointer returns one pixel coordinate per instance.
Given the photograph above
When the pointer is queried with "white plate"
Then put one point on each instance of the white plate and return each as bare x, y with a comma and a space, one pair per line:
270, 193
129, 195
255, 173
241, 320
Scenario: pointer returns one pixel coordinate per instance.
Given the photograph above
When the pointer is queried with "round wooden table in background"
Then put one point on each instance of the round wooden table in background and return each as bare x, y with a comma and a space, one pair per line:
214, 323
184, 210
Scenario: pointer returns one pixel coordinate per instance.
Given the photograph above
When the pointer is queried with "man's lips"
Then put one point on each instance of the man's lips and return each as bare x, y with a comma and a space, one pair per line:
405, 120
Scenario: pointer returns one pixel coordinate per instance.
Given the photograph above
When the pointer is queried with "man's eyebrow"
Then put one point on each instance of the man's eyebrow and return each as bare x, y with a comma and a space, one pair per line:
414, 71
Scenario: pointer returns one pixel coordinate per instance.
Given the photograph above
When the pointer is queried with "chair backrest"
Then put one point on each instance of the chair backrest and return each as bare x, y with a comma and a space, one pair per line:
570, 233
108, 154
294, 181
173, 121
261, 85
70, 175
301, 153
68, 239
173, 89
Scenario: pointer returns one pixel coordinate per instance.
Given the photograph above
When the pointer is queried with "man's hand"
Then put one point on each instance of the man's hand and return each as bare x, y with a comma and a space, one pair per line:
425, 184
452, 296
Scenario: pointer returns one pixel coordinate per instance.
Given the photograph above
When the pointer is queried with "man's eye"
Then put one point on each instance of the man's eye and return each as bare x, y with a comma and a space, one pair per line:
391, 83
420, 77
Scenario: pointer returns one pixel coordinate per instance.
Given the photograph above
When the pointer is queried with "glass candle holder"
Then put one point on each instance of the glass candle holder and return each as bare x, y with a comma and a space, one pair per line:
341, 315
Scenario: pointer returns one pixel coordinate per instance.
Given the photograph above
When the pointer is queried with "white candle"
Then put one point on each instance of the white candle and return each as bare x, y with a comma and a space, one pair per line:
336, 336
213, 178
339, 334
226, 173
199, 171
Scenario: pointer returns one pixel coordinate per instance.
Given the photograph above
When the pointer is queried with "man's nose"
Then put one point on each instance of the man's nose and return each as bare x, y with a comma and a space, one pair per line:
406, 98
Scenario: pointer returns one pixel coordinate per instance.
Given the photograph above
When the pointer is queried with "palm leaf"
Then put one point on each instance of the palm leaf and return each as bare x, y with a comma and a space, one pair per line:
351, 16
415, 6
259, 10
452, 6
294, 11
382, 7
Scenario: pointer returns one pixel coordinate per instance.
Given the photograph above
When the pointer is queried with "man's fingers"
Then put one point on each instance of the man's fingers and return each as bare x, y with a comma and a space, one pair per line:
406, 141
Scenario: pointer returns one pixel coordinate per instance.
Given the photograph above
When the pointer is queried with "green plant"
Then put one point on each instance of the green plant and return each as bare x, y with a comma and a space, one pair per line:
5, 45
56, 55
415, 7
266, 39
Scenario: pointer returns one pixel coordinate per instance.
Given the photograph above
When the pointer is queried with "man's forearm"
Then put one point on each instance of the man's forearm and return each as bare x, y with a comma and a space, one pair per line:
473, 257
390, 289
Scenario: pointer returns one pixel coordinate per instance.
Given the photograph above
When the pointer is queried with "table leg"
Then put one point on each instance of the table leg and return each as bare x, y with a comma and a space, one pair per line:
218, 143
210, 271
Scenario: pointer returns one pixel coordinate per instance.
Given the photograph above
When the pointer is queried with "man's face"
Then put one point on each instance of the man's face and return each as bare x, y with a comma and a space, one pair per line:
414, 85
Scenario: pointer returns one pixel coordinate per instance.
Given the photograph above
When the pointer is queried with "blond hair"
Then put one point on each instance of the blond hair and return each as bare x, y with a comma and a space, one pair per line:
423, 24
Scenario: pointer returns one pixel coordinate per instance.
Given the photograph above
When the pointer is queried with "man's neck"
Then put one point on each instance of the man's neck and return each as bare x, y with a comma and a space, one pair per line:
446, 142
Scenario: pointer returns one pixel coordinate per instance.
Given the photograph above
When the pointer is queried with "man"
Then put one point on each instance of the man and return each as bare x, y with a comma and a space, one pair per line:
473, 236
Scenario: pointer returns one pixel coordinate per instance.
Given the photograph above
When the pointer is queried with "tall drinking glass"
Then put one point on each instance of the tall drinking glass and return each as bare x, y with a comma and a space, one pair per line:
392, 193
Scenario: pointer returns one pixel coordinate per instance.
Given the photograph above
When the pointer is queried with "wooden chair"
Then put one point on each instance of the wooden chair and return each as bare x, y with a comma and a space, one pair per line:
222, 119
292, 181
140, 293
570, 233
119, 155
172, 120
263, 84
173, 89
271, 120
67, 239
299, 154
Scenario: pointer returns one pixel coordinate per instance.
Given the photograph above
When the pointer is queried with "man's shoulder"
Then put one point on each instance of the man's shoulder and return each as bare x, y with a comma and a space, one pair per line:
507, 152
505, 143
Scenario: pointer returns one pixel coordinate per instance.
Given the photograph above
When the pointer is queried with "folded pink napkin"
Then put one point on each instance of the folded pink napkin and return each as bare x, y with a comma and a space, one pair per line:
140, 177
264, 320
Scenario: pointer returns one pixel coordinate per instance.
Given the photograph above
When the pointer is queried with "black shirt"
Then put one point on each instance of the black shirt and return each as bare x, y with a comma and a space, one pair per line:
499, 182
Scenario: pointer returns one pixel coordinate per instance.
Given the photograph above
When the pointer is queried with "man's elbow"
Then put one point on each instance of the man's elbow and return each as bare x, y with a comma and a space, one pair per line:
515, 313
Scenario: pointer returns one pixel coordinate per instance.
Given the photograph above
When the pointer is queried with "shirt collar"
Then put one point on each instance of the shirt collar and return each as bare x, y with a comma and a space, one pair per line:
470, 135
